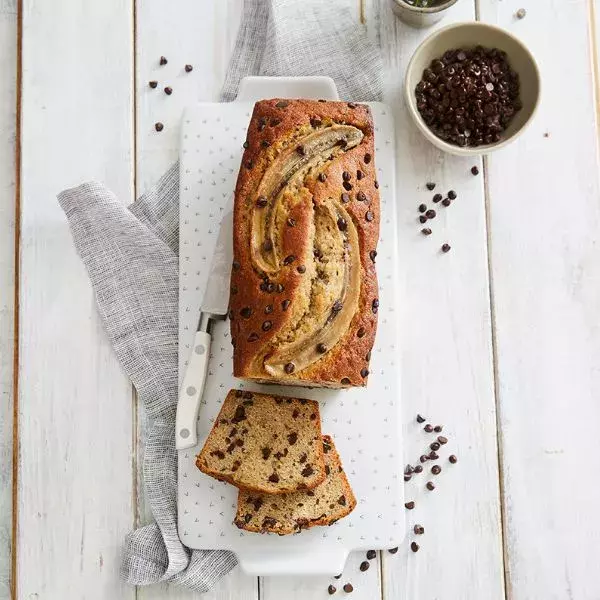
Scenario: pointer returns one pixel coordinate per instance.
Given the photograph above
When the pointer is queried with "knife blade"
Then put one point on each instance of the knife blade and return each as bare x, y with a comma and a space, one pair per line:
214, 307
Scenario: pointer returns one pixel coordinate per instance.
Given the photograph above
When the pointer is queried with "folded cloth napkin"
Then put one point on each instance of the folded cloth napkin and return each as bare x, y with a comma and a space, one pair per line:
131, 258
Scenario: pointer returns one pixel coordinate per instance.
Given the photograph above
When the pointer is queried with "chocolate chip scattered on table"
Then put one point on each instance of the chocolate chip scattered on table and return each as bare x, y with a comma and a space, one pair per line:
468, 96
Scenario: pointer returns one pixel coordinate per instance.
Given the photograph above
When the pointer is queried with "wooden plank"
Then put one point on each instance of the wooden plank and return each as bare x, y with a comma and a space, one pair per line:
544, 214
75, 502
447, 362
202, 35
8, 103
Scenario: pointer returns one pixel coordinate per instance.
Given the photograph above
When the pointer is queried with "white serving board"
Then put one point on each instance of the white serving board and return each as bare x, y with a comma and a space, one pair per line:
365, 423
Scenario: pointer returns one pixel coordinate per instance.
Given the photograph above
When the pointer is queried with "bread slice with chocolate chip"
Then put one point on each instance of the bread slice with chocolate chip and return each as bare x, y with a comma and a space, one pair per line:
290, 513
264, 443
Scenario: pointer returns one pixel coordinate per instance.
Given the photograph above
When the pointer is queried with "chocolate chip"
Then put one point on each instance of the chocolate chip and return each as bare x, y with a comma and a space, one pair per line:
189, 68
453, 459
162, 61
342, 500
373, 255
414, 546
153, 84
422, 219
247, 518
475, 170
446, 202
438, 428
436, 469
352, 105
280, 288
368, 356
265, 143
359, 174
420, 419
430, 185
332, 589
321, 348
289, 368
262, 123
239, 443
430, 485
267, 325
274, 122
301, 150
246, 145
419, 529
302, 458
338, 576
345, 198
292, 438
342, 225
220, 455
261, 202
247, 396
409, 505
393, 550
266, 452
361, 332
375, 305
364, 373
446, 248
253, 337
521, 13
291, 222
361, 197
168, 90
430, 214
452, 195
369, 216
422, 208
347, 185
307, 471
285, 304
376, 184
322, 177
426, 231
301, 269
407, 477
239, 415
158, 126
371, 554
437, 198
434, 446
345, 381
282, 104
267, 245
246, 312
348, 588
274, 478
442, 440
423, 458
268, 310
364, 565
428, 428
367, 158
346, 176
315, 122
418, 469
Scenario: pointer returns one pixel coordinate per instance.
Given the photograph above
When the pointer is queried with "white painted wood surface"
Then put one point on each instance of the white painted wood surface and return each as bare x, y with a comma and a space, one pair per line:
75, 405
524, 339
8, 111
544, 251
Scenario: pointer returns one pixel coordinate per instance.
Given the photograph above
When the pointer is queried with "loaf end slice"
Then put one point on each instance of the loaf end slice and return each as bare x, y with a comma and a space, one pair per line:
264, 443
291, 513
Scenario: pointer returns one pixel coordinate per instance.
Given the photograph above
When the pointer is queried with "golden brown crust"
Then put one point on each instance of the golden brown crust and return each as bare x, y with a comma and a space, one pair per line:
274, 125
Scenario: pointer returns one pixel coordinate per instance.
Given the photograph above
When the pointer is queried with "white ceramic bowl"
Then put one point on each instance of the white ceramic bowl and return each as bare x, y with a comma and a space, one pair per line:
420, 17
461, 35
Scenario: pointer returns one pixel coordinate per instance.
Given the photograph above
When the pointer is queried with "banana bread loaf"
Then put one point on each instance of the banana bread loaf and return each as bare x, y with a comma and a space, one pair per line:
290, 513
304, 298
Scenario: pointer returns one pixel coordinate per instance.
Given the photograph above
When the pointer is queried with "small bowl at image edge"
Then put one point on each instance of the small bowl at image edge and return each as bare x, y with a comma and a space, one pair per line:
417, 16
468, 35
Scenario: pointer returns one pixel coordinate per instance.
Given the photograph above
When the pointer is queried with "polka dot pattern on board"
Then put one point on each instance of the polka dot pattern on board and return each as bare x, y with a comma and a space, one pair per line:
365, 423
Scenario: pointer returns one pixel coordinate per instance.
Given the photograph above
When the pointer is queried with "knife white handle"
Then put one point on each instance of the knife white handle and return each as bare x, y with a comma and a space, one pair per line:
190, 393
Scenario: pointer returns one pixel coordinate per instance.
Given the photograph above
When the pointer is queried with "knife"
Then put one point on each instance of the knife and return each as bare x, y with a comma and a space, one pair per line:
214, 308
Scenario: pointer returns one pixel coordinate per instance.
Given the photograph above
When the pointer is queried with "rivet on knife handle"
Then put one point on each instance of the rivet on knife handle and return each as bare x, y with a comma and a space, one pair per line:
190, 393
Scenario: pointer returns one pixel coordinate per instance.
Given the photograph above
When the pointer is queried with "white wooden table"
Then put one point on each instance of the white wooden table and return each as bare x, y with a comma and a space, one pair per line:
501, 337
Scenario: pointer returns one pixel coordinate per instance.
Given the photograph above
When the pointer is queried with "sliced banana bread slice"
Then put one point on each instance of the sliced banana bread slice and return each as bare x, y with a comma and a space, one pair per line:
326, 504
265, 443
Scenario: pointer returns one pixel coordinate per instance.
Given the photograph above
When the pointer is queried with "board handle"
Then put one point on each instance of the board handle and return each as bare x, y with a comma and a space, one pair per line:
323, 559
255, 88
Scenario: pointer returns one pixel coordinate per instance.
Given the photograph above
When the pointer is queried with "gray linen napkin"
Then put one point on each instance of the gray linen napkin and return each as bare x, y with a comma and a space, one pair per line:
131, 258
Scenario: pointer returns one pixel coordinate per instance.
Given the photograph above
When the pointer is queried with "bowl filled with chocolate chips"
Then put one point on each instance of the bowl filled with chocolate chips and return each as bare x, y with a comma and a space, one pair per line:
472, 88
